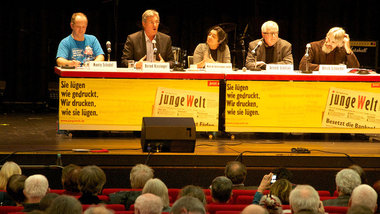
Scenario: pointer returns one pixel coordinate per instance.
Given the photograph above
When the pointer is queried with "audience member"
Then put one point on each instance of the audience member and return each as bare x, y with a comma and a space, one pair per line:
91, 180
15, 188
264, 185
364, 195
193, 191
237, 173
65, 204
188, 204
254, 209
304, 199
36, 187
359, 209
281, 188
271, 203
361, 172
346, 180
157, 187
8, 169
283, 173
221, 189
70, 175
138, 176
47, 200
148, 203
99, 209
376, 187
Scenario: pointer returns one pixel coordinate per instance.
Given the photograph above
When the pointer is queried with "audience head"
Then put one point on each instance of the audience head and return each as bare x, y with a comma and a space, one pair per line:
47, 200
376, 187
36, 187
148, 203
15, 188
364, 195
236, 172
188, 204
157, 187
8, 169
221, 189
346, 180
91, 180
193, 191
359, 209
64, 204
304, 198
282, 188
271, 203
70, 175
254, 209
139, 175
361, 172
99, 209
283, 173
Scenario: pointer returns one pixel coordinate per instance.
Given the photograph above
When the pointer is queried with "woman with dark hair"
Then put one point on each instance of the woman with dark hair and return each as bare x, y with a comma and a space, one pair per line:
91, 181
214, 50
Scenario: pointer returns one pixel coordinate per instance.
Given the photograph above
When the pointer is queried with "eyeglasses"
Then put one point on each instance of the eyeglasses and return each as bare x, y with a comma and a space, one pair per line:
271, 34
153, 23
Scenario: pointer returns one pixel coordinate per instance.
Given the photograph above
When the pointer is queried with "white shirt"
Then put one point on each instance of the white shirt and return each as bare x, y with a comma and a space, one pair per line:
149, 49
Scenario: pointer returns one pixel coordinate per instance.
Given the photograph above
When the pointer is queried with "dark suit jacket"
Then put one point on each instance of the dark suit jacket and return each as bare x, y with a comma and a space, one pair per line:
282, 53
135, 47
337, 56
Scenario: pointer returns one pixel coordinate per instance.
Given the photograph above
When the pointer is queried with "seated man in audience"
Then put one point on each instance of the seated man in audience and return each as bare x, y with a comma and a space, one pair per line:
304, 199
35, 188
69, 177
148, 204
254, 209
91, 181
65, 204
364, 195
221, 189
193, 191
346, 180
188, 204
237, 173
138, 176
99, 209
159, 188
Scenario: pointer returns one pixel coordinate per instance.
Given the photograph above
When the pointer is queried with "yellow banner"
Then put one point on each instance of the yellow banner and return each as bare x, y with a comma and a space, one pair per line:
281, 106
120, 104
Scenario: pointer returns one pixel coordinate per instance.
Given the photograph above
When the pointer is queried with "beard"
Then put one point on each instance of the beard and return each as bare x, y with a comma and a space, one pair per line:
326, 49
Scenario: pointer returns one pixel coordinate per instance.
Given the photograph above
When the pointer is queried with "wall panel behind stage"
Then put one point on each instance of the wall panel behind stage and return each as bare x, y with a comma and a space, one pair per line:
30, 32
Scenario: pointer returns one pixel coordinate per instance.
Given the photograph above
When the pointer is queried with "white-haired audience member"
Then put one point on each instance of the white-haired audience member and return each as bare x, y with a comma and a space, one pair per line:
157, 187
304, 199
254, 209
346, 180
35, 188
188, 204
364, 195
99, 209
148, 204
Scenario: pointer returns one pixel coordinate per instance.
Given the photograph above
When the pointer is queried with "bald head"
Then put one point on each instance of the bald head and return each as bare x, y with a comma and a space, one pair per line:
254, 209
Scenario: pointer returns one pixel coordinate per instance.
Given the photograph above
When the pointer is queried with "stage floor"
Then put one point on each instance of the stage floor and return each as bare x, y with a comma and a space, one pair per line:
31, 140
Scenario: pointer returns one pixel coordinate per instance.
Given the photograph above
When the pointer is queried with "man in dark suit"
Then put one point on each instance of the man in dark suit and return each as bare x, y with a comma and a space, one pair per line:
140, 45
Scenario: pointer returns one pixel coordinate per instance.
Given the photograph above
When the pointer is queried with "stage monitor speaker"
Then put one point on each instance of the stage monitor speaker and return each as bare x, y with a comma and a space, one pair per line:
168, 134
367, 53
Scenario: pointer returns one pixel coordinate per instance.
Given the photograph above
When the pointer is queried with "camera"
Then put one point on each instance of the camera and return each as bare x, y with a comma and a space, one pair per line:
274, 177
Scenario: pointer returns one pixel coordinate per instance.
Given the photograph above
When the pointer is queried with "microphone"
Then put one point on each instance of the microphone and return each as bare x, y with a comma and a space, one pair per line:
257, 46
108, 46
154, 46
308, 46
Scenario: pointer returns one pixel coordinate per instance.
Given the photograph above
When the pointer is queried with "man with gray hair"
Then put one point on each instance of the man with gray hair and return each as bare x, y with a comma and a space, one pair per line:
35, 188
346, 180
334, 49
364, 195
254, 208
269, 50
138, 176
148, 204
221, 189
187, 204
140, 46
305, 199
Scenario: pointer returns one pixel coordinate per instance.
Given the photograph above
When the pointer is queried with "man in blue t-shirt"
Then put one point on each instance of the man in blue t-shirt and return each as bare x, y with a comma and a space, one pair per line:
77, 47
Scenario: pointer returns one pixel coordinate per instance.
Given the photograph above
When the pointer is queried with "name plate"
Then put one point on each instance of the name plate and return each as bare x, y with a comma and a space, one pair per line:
218, 67
333, 68
156, 66
280, 67
103, 66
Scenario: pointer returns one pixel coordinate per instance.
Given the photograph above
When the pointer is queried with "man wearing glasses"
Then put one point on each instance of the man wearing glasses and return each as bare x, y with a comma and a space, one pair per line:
269, 50
148, 44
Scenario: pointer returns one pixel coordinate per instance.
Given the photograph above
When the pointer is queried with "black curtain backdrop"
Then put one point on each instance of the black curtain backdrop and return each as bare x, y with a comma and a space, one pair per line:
31, 31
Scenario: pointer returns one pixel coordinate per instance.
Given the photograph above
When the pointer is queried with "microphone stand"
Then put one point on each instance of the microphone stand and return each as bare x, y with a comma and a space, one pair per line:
242, 51
109, 56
